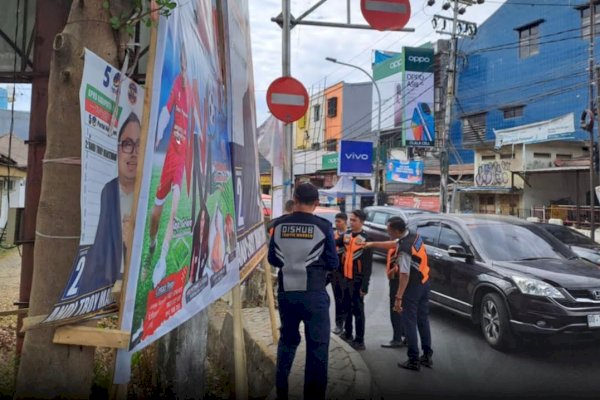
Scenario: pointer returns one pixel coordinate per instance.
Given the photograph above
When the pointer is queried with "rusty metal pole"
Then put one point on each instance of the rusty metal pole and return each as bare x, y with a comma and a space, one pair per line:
50, 19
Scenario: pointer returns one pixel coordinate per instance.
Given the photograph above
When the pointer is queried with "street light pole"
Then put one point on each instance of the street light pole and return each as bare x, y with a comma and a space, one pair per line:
378, 135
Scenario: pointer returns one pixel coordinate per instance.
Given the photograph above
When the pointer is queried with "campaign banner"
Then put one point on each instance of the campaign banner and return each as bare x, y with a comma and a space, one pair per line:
184, 254
418, 83
111, 108
251, 233
405, 171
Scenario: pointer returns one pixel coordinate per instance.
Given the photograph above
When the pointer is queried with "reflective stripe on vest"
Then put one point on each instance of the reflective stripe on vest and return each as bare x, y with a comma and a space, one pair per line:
419, 255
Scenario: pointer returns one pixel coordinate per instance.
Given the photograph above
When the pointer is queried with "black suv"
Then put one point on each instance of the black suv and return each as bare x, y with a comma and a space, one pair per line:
377, 217
582, 245
509, 276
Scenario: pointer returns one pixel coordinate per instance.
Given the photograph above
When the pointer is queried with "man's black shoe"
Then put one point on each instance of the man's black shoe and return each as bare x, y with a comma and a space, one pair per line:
393, 344
346, 337
412, 365
358, 345
338, 330
426, 361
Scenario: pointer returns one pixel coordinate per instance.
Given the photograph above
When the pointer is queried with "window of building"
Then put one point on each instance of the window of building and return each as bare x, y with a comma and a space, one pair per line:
331, 145
473, 128
513, 112
529, 40
316, 146
316, 112
488, 157
564, 156
332, 107
541, 155
585, 21
506, 156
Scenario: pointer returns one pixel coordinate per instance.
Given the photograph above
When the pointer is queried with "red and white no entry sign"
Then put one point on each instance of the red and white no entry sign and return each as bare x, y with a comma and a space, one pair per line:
385, 15
287, 99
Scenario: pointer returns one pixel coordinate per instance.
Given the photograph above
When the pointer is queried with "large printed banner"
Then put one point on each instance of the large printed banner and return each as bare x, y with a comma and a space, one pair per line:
419, 125
251, 235
405, 171
406, 84
184, 254
111, 109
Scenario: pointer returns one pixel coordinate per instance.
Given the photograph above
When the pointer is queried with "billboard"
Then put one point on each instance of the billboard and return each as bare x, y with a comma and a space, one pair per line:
184, 254
418, 81
406, 84
388, 77
356, 158
251, 235
405, 171
111, 111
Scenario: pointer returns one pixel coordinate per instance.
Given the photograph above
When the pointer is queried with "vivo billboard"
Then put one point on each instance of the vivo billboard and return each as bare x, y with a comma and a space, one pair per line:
356, 158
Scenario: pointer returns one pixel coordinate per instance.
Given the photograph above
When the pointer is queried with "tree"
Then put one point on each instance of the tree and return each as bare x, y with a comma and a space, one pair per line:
47, 370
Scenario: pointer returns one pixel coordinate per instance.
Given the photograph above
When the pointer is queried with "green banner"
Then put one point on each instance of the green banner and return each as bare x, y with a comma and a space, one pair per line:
388, 67
330, 161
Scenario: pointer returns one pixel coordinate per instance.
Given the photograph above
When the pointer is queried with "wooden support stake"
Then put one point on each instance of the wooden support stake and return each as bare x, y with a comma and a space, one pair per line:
18, 311
239, 348
271, 300
90, 336
32, 322
116, 291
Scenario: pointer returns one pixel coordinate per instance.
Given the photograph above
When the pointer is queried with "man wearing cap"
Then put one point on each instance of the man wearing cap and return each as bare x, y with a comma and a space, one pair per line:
303, 248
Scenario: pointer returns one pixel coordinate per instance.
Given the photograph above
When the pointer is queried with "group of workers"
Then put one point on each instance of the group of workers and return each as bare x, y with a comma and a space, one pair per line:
310, 254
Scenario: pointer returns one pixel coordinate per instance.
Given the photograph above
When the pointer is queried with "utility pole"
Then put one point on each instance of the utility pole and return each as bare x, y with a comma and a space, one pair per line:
591, 99
457, 28
286, 69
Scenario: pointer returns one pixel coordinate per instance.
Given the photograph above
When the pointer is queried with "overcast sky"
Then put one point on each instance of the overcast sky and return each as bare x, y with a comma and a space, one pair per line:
310, 44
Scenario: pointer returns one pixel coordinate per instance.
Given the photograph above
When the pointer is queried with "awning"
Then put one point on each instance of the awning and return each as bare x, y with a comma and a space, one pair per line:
489, 190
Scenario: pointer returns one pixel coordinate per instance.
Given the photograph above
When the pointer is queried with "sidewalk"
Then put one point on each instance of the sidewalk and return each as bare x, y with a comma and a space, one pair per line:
349, 376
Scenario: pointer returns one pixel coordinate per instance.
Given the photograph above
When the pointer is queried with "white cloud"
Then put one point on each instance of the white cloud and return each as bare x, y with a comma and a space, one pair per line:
310, 44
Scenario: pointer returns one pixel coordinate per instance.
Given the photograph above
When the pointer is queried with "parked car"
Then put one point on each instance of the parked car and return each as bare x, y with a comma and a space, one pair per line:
509, 276
582, 245
327, 213
377, 217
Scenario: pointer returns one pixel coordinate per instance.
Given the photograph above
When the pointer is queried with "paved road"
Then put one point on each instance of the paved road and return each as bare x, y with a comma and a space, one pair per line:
466, 367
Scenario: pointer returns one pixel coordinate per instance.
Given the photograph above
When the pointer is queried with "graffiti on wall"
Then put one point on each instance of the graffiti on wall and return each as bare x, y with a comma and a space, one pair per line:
496, 173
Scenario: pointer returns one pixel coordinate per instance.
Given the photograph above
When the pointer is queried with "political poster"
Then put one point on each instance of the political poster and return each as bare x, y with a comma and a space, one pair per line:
405, 171
111, 109
184, 254
251, 234
418, 83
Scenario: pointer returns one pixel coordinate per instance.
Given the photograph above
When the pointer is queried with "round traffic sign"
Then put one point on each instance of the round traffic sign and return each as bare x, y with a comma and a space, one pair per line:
287, 99
385, 15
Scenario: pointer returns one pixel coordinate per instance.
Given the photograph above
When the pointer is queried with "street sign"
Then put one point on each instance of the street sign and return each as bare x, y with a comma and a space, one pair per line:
287, 99
385, 15
356, 158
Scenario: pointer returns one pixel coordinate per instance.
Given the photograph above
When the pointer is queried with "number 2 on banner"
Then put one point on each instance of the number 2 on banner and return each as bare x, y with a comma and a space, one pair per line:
79, 269
239, 187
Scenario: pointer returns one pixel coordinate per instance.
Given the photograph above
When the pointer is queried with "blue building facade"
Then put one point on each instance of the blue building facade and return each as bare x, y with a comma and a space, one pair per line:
527, 63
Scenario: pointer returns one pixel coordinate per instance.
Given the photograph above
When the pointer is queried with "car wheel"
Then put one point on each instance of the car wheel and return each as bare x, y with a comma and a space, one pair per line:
495, 325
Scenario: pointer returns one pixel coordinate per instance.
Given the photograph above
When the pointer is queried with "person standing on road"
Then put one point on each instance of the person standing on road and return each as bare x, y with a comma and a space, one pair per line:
303, 248
392, 272
357, 272
337, 276
412, 297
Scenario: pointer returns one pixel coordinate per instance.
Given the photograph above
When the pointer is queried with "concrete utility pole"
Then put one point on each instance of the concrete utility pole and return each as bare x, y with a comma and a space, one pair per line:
468, 29
591, 99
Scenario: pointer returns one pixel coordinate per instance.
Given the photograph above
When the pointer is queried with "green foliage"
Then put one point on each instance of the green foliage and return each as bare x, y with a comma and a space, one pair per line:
140, 14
